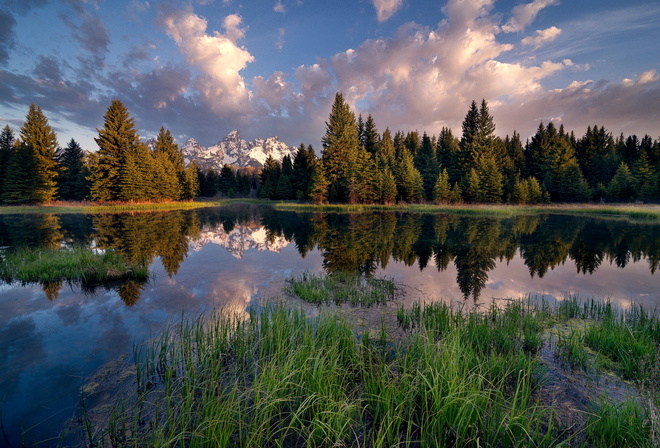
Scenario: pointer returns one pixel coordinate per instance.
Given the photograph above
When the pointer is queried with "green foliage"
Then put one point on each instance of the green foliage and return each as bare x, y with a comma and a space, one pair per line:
622, 186
72, 182
442, 189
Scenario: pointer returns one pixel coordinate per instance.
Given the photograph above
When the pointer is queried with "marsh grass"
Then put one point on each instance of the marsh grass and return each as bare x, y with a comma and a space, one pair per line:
77, 264
455, 378
62, 207
341, 288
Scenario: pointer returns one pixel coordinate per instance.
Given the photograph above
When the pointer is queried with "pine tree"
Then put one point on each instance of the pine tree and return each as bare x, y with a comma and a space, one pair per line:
303, 164
118, 143
442, 188
174, 162
318, 185
447, 153
269, 178
472, 187
41, 140
7, 142
385, 155
427, 165
622, 185
190, 188
388, 186
340, 148
21, 176
370, 137
490, 180
409, 181
72, 184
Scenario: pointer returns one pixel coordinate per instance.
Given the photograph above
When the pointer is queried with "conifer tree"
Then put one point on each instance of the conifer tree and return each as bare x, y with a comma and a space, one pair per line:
472, 187
387, 186
118, 143
427, 165
303, 164
21, 176
409, 181
340, 148
72, 184
7, 142
385, 155
318, 185
172, 159
190, 188
442, 188
40, 139
370, 137
622, 185
447, 153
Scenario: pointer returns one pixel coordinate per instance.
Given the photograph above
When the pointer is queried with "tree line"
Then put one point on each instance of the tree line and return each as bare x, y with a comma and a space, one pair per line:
33, 169
359, 165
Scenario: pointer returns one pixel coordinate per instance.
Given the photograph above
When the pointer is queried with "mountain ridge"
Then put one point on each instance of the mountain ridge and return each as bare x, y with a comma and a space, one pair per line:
234, 151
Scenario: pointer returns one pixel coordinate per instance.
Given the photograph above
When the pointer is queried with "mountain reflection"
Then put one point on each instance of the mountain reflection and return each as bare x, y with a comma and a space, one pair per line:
360, 243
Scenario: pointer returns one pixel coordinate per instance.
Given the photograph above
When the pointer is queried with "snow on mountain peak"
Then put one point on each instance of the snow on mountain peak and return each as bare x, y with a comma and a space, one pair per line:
233, 150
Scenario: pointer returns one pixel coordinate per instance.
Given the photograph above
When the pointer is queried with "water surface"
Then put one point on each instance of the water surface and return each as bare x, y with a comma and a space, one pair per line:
52, 336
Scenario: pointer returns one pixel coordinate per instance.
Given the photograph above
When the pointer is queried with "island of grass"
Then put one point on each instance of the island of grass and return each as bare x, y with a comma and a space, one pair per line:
521, 373
73, 265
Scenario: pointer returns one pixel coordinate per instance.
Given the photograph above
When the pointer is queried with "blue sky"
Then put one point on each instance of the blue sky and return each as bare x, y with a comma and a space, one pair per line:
272, 67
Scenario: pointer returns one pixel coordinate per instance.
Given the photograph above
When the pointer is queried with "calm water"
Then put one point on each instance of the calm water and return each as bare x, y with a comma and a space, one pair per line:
54, 335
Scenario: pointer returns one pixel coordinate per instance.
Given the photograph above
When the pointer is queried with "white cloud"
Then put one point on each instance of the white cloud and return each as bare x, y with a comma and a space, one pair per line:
386, 8
542, 36
279, 43
217, 56
279, 7
524, 15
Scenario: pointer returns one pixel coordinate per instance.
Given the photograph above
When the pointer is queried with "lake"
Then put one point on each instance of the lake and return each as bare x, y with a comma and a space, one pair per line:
53, 336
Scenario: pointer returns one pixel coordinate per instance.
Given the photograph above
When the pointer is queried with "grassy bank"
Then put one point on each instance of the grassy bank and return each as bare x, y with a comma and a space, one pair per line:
647, 212
61, 207
456, 378
71, 265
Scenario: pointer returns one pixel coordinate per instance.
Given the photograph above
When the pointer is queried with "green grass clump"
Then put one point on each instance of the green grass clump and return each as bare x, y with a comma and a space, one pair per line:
341, 288
454, 378
73, 265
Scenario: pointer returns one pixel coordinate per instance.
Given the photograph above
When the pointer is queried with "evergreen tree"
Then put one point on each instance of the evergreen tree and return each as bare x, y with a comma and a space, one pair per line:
7, 142
470, 145
490, 180
72, 182
21, 176
370, 138
385, 155
172, 159
622, 185
472, 187
340, 149
447, 154
318, 185
40, 139
442, 188
427, 165
520, 193
409, 181
190, 187
303, 164
269, 178
117, 161
387, 186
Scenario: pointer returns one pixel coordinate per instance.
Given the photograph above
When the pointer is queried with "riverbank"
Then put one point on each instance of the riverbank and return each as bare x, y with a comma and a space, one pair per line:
640, 211
521, 373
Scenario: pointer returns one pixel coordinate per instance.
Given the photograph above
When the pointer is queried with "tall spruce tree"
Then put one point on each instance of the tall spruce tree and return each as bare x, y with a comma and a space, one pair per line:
7, 142
427, 165
340, 150
170, 157
72, 184
40, 140
116, 162
303, 164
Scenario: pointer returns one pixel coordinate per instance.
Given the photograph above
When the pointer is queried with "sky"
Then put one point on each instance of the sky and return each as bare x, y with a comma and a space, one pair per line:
202, 68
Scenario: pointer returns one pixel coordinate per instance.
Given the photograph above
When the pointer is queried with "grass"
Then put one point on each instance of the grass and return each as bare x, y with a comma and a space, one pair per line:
456, 378
72, 265
643, 212
61, 207
341, 288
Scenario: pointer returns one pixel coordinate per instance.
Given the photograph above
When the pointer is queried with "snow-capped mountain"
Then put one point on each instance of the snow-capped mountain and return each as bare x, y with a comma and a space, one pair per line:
233, 150
240, 239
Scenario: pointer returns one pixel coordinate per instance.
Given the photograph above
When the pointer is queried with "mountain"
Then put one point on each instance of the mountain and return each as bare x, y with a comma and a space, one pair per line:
233, 150
239, 240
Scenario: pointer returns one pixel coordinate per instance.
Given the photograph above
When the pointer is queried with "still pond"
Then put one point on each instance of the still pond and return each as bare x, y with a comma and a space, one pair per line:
54, 335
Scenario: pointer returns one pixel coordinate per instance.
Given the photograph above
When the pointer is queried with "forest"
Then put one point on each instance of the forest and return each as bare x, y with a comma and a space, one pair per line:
357, 165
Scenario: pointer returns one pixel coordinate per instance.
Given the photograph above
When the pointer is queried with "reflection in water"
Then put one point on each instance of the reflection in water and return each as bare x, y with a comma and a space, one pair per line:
53, 335
360, 243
